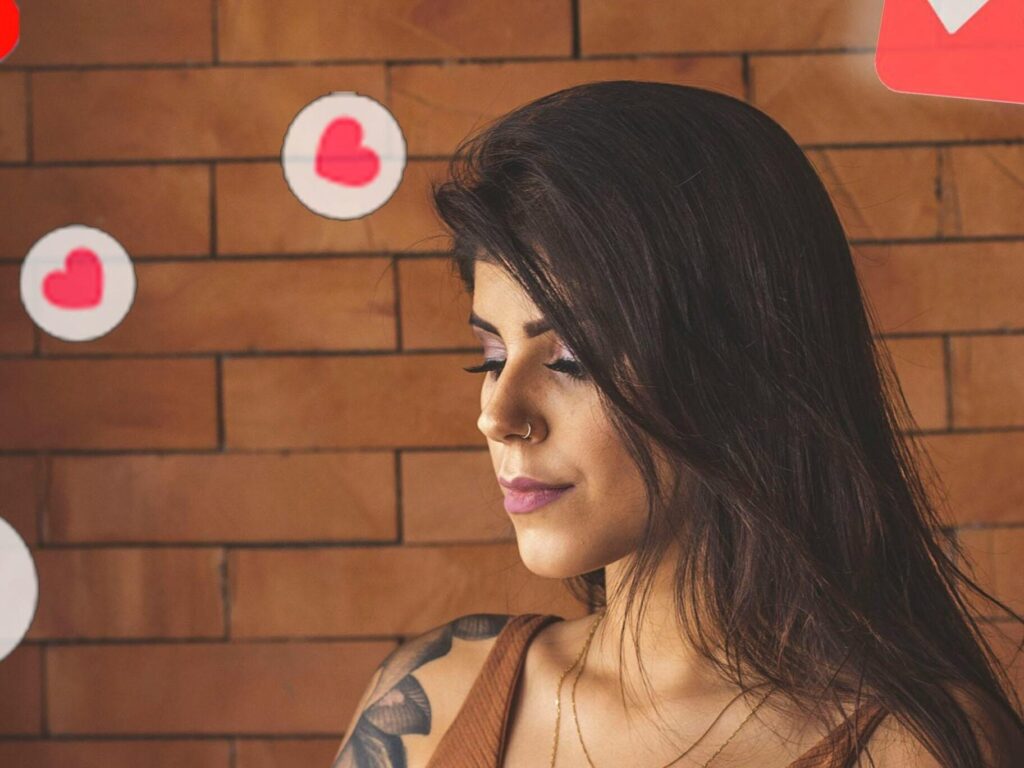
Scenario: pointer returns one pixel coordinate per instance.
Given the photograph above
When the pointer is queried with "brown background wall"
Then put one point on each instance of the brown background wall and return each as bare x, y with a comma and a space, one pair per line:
243, 497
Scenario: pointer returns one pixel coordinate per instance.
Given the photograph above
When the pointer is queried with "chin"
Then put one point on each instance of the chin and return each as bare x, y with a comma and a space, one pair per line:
544, 555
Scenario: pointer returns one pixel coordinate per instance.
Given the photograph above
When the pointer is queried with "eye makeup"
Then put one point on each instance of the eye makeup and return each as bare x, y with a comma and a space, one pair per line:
564, 365
567, 365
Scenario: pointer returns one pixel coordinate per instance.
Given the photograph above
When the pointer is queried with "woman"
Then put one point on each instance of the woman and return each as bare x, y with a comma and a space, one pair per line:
743, 513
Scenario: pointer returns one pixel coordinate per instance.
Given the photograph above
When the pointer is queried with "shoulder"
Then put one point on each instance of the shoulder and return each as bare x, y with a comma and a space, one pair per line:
416, 691
894, 745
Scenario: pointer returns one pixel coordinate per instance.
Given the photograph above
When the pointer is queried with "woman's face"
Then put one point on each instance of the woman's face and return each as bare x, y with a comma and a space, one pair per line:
601, 519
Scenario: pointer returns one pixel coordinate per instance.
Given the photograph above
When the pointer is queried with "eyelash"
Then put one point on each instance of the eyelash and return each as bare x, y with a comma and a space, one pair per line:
570, 368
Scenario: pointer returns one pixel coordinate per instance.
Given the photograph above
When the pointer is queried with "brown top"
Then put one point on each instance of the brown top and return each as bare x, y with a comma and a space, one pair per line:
476, 737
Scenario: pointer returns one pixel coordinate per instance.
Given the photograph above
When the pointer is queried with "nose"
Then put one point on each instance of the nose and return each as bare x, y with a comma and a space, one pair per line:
507, 416
508, 429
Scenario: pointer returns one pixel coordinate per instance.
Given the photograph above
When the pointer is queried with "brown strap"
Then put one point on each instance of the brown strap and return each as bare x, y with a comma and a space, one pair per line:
474, 739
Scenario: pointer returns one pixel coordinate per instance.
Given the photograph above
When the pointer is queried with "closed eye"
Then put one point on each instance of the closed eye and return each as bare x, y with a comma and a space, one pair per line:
569, 367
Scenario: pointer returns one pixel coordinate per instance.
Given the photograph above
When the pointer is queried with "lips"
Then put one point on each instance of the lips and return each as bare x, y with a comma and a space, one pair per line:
519, 502
523, 483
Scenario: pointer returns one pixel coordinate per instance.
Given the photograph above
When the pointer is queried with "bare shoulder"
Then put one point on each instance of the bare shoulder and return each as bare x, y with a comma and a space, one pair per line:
415, 693
893, 745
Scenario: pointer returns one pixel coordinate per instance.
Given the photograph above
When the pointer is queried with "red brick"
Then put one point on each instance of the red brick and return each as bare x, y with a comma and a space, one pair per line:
982, 190
979, 566
621, 26
207, 688
465, 97
981, 474
122, 592
920, 373
452, 496
13, 146
881, 193
850, 104
239, 306
152, 210
113, 32
17, 333
22, 485
434, 305
217, 112
366, 401
264, 30
223, 497
938, 287
257, 213
108, 404
21, 693
1007, 556
330, 591
111, 753
995, 555
988, 381
285, 753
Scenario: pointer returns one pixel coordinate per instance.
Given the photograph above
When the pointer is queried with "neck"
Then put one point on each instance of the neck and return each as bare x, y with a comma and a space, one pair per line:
674, 672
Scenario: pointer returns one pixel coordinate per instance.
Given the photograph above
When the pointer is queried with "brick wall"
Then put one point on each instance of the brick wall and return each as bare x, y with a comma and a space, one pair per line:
248, 493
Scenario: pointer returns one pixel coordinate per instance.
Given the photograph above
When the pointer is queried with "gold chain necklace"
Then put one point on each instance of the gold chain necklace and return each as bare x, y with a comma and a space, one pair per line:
558, 706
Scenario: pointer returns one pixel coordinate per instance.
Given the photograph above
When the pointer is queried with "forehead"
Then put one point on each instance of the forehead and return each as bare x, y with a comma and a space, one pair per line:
502, 307
496, 291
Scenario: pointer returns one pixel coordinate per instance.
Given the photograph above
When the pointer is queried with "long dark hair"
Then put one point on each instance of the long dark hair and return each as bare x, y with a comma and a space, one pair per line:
684, 248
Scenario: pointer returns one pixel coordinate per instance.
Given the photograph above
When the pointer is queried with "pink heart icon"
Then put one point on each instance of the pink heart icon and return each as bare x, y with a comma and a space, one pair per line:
80, 285
341, 159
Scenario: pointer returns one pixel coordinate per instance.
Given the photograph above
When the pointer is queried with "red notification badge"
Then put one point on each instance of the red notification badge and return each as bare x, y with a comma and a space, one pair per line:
10, 27
969, 49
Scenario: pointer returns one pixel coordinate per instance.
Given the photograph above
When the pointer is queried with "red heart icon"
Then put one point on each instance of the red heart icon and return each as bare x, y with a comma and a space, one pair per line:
341, 159
80, 285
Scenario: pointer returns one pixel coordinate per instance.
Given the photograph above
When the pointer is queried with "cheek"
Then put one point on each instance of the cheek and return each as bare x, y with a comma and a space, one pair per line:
625, 502
605, 450
612, 525
616, 488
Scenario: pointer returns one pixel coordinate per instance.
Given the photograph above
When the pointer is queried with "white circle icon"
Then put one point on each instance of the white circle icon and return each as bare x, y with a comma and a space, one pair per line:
343, 155
19, 589
77, 283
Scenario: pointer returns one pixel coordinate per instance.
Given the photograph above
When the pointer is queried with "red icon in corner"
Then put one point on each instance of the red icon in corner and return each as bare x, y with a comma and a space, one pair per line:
10, 27
970, 49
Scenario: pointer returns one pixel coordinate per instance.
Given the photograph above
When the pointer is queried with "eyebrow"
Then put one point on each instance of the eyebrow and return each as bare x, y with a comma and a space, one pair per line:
532, 328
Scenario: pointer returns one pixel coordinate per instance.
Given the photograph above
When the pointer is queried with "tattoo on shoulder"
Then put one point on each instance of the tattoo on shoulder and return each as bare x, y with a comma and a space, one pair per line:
398, 704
